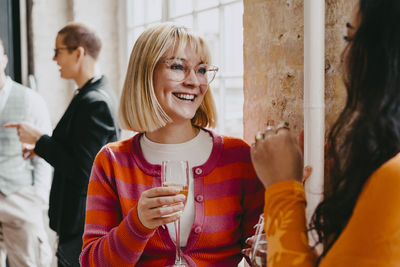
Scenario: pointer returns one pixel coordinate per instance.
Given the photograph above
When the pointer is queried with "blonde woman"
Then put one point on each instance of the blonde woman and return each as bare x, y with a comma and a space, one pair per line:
167, 99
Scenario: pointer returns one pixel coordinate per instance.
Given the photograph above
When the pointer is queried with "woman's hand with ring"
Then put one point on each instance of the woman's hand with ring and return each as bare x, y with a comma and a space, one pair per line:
277, 156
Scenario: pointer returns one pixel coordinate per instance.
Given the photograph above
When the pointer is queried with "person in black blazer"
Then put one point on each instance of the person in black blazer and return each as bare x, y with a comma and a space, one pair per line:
89, 123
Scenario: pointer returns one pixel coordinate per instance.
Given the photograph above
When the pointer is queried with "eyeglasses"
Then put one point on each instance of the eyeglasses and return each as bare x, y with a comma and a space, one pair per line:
180, 71
57, 50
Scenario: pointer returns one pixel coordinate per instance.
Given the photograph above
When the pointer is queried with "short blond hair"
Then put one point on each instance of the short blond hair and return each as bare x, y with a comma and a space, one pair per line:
139, 109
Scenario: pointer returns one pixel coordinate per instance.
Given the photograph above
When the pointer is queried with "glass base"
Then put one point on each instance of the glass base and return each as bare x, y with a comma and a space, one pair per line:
178, 265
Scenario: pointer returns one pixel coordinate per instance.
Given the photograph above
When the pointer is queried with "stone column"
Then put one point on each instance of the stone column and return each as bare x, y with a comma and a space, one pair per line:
273, 62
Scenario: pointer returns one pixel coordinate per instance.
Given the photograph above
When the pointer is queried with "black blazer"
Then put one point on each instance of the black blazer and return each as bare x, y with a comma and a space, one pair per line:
86, 126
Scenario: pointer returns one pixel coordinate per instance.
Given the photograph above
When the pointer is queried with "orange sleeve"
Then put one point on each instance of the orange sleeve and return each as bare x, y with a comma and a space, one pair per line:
371, 237
285, 226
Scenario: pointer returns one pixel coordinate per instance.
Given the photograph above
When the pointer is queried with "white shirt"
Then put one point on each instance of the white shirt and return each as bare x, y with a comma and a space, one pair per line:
4, 92
38, 115
196, 152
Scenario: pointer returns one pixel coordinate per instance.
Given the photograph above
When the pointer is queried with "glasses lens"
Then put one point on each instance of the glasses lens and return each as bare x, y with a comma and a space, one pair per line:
177, 69
205, 74
179, 75
180, 71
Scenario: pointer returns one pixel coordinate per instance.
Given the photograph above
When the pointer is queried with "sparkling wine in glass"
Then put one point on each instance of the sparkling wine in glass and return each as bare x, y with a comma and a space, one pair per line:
176, 174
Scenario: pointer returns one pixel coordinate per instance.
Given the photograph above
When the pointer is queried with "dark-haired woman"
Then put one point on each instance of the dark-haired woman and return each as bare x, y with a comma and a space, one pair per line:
358, 221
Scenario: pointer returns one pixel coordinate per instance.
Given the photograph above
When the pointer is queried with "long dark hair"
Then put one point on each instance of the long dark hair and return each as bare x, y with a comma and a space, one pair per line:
367, 132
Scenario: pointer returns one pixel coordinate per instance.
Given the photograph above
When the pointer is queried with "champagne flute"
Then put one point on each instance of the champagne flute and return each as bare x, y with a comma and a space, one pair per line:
176, 174
259, 248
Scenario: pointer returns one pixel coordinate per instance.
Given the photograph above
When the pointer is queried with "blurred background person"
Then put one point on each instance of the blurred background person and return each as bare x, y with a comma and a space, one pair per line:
24, 185
89, 122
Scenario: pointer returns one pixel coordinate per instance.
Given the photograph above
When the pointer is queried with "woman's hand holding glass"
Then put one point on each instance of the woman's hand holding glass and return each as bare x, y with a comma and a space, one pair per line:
160, 205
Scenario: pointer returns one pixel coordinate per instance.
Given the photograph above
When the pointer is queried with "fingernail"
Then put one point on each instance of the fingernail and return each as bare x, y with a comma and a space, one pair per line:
243, 251
247, 240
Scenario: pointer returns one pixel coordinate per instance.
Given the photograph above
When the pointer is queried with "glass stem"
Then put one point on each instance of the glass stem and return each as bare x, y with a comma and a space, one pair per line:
178, 241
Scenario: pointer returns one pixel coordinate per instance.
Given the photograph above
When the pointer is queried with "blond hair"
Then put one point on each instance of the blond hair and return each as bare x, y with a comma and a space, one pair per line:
139, 109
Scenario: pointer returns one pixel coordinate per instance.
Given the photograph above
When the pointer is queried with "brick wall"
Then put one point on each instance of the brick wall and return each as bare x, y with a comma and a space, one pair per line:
273, 62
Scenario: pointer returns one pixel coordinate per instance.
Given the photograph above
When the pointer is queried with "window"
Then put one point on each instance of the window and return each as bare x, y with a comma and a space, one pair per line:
219, 22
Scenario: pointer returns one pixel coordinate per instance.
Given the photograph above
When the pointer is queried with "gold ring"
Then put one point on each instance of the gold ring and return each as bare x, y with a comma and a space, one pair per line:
284, 125
259, 136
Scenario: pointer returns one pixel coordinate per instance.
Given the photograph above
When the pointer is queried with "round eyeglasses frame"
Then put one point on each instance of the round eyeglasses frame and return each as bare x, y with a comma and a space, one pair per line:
178, 65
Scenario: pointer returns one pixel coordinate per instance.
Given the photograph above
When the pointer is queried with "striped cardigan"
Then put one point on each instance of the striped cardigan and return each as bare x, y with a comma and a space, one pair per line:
228, 201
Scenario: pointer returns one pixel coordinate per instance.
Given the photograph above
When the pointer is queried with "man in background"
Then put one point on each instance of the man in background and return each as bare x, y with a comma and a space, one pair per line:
89, 122
24, 184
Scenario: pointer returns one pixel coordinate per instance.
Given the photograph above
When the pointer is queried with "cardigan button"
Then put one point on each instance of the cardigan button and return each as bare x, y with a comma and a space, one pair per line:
198, 171
197, 230
199, 198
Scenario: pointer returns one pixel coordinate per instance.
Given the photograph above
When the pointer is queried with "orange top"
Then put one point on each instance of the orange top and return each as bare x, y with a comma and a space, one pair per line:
371, 237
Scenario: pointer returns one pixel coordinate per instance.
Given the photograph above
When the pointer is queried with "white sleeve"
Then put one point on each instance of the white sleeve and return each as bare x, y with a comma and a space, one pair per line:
38, 115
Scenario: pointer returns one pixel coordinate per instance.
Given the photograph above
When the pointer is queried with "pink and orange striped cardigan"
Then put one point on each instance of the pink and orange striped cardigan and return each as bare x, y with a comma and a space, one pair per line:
228, 201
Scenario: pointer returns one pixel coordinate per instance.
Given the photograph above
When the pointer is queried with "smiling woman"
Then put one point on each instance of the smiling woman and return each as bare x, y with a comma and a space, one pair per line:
167, 98
167, 70
179, 89
218, 23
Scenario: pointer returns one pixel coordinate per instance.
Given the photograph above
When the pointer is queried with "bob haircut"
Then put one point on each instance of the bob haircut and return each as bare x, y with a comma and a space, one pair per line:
139, 108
